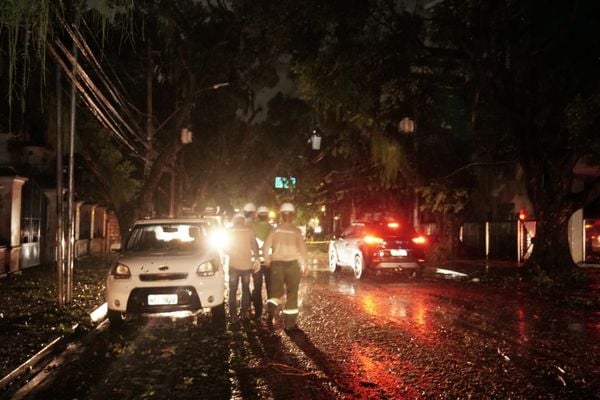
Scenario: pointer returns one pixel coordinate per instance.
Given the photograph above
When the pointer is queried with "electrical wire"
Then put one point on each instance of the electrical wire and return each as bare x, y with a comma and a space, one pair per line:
115, 93
92, 105
115, 75
111, 111
95, 91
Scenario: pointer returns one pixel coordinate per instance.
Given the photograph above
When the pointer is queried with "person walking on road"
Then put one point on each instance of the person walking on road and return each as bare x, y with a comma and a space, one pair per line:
285, 253
262, 228
243, 258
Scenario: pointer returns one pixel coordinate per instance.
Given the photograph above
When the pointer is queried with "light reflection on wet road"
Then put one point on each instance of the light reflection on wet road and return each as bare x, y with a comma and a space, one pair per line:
380, 338
462, 339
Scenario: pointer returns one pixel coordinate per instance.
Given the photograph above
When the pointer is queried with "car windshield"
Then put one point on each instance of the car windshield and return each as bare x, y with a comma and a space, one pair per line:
214, 221
167, 237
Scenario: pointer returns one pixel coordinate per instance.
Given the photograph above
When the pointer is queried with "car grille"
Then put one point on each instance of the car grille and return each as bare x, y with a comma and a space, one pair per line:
168, 276
187, 299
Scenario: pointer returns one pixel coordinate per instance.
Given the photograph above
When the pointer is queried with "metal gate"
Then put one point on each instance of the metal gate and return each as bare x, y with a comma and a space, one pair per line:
497, 240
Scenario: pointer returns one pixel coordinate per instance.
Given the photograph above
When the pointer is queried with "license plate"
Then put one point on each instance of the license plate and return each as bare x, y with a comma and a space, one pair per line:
161, 299
398, 253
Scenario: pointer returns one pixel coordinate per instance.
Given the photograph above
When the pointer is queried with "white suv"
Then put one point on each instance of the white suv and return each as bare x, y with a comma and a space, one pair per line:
166, 265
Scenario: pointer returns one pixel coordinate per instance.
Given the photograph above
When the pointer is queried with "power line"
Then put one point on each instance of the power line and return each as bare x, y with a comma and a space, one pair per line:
109, 113
92, 105
115, 93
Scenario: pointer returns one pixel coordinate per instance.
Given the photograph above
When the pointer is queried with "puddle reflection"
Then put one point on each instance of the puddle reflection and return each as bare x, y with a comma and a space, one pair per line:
378, 371
521, 324
411, 315
341, 286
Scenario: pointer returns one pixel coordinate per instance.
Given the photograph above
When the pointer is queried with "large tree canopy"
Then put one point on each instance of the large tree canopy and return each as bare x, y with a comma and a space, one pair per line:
496, 85
533, 68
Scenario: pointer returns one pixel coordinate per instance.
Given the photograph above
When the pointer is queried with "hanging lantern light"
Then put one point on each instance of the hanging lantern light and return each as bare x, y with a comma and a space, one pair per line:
315, 140
406, 125
186, 136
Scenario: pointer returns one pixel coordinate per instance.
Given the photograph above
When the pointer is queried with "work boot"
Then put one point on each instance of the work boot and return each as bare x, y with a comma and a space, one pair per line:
274, 311
289, 323
271, 308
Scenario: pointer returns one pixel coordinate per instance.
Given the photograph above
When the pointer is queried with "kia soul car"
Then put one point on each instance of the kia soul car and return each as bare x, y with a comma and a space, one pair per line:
166, 265
372, 247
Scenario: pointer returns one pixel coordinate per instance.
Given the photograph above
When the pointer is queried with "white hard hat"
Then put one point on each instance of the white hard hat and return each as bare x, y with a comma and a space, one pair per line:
262, 210
238, 216
287, 208
249, 207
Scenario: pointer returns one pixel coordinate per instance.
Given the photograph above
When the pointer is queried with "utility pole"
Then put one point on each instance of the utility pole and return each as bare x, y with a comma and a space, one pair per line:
71, 214
173, 184
60, 234
149, 124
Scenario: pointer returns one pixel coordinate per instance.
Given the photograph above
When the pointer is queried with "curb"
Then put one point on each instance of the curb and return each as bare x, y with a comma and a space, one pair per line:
30, 364
51, 367
42, 358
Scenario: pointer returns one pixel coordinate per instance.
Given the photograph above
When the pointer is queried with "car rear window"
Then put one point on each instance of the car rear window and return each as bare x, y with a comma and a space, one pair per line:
392, 230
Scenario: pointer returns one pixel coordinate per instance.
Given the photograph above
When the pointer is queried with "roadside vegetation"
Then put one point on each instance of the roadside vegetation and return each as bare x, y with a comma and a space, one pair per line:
29, 315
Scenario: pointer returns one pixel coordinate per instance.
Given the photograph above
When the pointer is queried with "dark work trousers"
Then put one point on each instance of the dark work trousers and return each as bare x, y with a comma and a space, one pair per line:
285, 281
263, 274
235, 275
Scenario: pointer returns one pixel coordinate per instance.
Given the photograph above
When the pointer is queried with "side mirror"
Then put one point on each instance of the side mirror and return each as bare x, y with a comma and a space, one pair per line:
115, 247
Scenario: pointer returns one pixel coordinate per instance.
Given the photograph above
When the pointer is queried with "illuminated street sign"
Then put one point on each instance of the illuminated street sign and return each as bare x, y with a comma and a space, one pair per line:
283, 182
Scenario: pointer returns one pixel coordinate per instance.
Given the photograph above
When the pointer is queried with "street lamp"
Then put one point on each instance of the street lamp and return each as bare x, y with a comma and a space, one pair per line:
315, 140
186, 136
406, 125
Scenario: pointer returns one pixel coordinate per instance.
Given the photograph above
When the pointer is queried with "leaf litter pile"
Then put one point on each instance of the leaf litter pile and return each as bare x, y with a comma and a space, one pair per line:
29, 314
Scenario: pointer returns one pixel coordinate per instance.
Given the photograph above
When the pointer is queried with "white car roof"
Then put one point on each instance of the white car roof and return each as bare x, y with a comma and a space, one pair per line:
154, 221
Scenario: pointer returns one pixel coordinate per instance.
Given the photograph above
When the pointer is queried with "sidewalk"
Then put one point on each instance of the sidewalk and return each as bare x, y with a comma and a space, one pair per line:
498, 268
585, 294
30, 318
475, 268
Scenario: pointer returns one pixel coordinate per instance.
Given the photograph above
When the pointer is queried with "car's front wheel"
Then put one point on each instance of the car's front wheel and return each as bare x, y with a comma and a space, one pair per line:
115, 318
359, 266
333, 261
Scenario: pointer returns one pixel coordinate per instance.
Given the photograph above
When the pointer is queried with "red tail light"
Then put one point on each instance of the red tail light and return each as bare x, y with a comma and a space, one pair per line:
419, 240
393, 225
372, 239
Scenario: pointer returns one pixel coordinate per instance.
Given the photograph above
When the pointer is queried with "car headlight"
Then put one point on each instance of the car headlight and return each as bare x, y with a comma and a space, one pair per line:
120, 271
208, 268
219, 238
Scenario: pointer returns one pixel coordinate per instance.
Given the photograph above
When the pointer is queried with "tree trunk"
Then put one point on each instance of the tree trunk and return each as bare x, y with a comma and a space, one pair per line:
126, 216
551, 251
550, 189
160, 166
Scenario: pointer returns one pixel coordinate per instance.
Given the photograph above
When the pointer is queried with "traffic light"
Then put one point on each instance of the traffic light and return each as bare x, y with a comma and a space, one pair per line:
522, 216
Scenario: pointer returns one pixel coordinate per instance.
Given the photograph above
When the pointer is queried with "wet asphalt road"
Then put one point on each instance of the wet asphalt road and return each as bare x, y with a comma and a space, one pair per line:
382, 338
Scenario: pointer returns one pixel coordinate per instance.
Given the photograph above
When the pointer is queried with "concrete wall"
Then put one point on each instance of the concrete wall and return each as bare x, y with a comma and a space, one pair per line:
10, 218
576, 236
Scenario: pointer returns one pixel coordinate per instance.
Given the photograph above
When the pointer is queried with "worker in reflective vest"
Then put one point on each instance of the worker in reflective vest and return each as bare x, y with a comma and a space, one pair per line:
285, 254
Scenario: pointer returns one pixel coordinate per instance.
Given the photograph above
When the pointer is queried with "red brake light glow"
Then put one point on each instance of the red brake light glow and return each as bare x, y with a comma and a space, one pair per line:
393, 225
419, 240
372, 239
